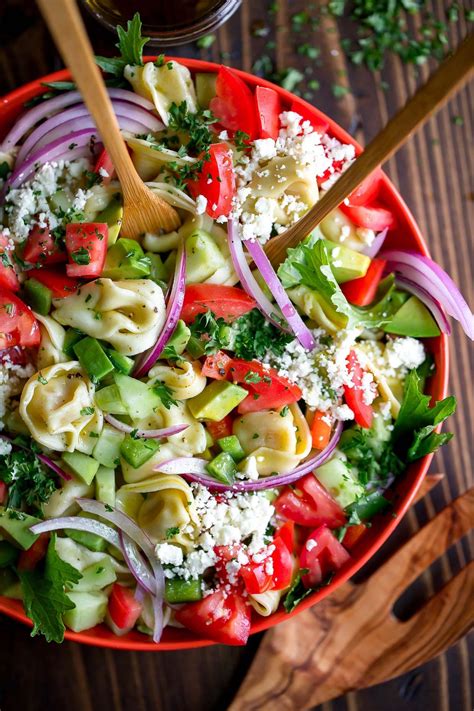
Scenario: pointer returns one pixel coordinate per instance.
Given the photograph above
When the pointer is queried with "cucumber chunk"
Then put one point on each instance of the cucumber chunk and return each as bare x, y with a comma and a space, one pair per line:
109, 400
203, 257
112, 215
105, 486
179, 590
339, 481
93, 358
90, 609
15, 527
90, 540
107, 449
232, 445
96, 576
138, 451
126, 260
81, 465
139, 400
222, 468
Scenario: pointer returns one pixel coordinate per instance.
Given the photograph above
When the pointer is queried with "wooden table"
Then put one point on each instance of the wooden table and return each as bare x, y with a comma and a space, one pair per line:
433, 174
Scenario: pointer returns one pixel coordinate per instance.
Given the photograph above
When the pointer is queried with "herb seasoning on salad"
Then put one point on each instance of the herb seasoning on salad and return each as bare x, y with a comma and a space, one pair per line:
189, 439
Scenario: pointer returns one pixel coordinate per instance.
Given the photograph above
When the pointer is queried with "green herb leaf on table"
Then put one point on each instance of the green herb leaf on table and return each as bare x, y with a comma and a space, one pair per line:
44, 598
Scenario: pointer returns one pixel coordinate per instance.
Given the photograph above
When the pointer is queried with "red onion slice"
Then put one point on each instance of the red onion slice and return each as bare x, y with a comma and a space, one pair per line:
52, 465
131, 118
157, 602
431, 303
247, 279
194, 469
136, 564
373, 249
78, 524
145, 434
54, 151
49, 107
428, 275
295, 322
173, 309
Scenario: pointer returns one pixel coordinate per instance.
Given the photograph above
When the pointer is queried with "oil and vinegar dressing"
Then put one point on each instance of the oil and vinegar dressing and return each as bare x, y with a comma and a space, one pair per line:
154, 13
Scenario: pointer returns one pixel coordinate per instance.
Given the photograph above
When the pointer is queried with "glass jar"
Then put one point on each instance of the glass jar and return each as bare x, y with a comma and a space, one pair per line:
166, 22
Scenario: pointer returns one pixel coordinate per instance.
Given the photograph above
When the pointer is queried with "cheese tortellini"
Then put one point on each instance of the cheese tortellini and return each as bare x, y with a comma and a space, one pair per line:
57, 405
266, 603
171, 83
184, 379
275, 441
129, 314
50, 350
337, 227
168, 504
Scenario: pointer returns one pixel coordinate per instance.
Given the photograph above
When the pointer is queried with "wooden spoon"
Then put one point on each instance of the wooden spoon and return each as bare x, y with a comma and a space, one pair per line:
352, 639
143, 210
447, 79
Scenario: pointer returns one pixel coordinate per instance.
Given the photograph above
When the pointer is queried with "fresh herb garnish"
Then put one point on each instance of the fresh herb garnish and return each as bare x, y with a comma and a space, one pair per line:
171, 532
213, 333
81, 256
206, 41
165, 394
195, 125
87, 411
254, 336
44, 598
29, 482
130, 44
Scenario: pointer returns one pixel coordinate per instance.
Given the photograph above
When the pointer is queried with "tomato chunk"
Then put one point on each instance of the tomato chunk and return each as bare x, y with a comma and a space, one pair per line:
362, 291
86, 244
354, 396
310, 504
8, 275
321, 429
3, 492
222, 617
40, 248
104, 163
221, 428
30, 558
216, 181
124, 609
18, 325
228, 302
321, 554
267, 389
353, 534
234, 104
217, 366
55, 279
372, 217
268, 112
367, 190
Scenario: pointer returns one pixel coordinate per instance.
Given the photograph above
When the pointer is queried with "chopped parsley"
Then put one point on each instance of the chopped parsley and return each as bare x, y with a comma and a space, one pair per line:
213, 333
87, 411
254, 336
171, 532
4, 170
29, 482
42, 380
130, 44
81, 256
165, 394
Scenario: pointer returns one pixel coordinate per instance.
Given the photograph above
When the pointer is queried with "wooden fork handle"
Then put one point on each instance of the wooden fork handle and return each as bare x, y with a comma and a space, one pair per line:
65, 24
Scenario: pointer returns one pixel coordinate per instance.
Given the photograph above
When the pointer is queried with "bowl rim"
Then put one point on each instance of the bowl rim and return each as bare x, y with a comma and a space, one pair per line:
183, 639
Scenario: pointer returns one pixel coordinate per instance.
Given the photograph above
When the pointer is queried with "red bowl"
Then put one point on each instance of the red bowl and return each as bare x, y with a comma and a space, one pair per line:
407, 235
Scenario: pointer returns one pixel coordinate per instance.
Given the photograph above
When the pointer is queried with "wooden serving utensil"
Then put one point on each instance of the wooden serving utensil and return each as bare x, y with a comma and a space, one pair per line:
143, 210
352, 639
447, 79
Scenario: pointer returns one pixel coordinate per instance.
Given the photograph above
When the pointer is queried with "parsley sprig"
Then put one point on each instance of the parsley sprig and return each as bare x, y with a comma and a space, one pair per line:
213, 333
130, 44
29, 483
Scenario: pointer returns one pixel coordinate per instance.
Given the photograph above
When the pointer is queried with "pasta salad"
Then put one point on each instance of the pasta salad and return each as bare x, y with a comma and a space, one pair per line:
190, 437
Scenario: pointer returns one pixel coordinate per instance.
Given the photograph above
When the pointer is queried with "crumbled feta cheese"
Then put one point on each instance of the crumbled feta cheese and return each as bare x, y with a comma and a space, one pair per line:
12, 378
5, 447
310, 544
201, 204
168, 553
405, 353
103, 173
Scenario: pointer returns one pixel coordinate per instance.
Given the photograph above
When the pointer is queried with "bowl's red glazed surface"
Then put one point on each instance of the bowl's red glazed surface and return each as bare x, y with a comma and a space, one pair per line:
405, 236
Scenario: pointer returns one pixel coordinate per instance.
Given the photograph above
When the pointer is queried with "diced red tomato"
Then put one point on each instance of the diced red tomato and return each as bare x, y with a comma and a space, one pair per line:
353, 534
225, 554
257, 577
216, 181
373, 216
40, 248
8, 275
335, 168
224, 618
18, 325
30, 558
367, 190
217, 366
322, 554
318, 125
362, 291
282, 564
354, 396
124, 609
3, 492
86, 244
287, 533
221, 428
272, 573
310, 504
55, 279
268, 112
104, 161
234, 104
228, 302
321, 429
267, 389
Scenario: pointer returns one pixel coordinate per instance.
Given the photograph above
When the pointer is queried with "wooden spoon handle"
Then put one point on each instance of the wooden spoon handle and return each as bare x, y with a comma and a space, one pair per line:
66, 26
451, 74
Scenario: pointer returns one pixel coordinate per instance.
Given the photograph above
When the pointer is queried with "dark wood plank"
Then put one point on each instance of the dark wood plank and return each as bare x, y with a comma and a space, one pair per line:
434, 175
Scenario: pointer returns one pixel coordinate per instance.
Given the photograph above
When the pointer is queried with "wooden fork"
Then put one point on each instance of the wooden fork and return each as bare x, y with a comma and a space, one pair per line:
143, 210
352, 640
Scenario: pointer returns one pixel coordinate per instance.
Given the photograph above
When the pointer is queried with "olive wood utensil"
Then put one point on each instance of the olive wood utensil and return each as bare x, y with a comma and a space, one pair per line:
447, 79
143, 210
352, 639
